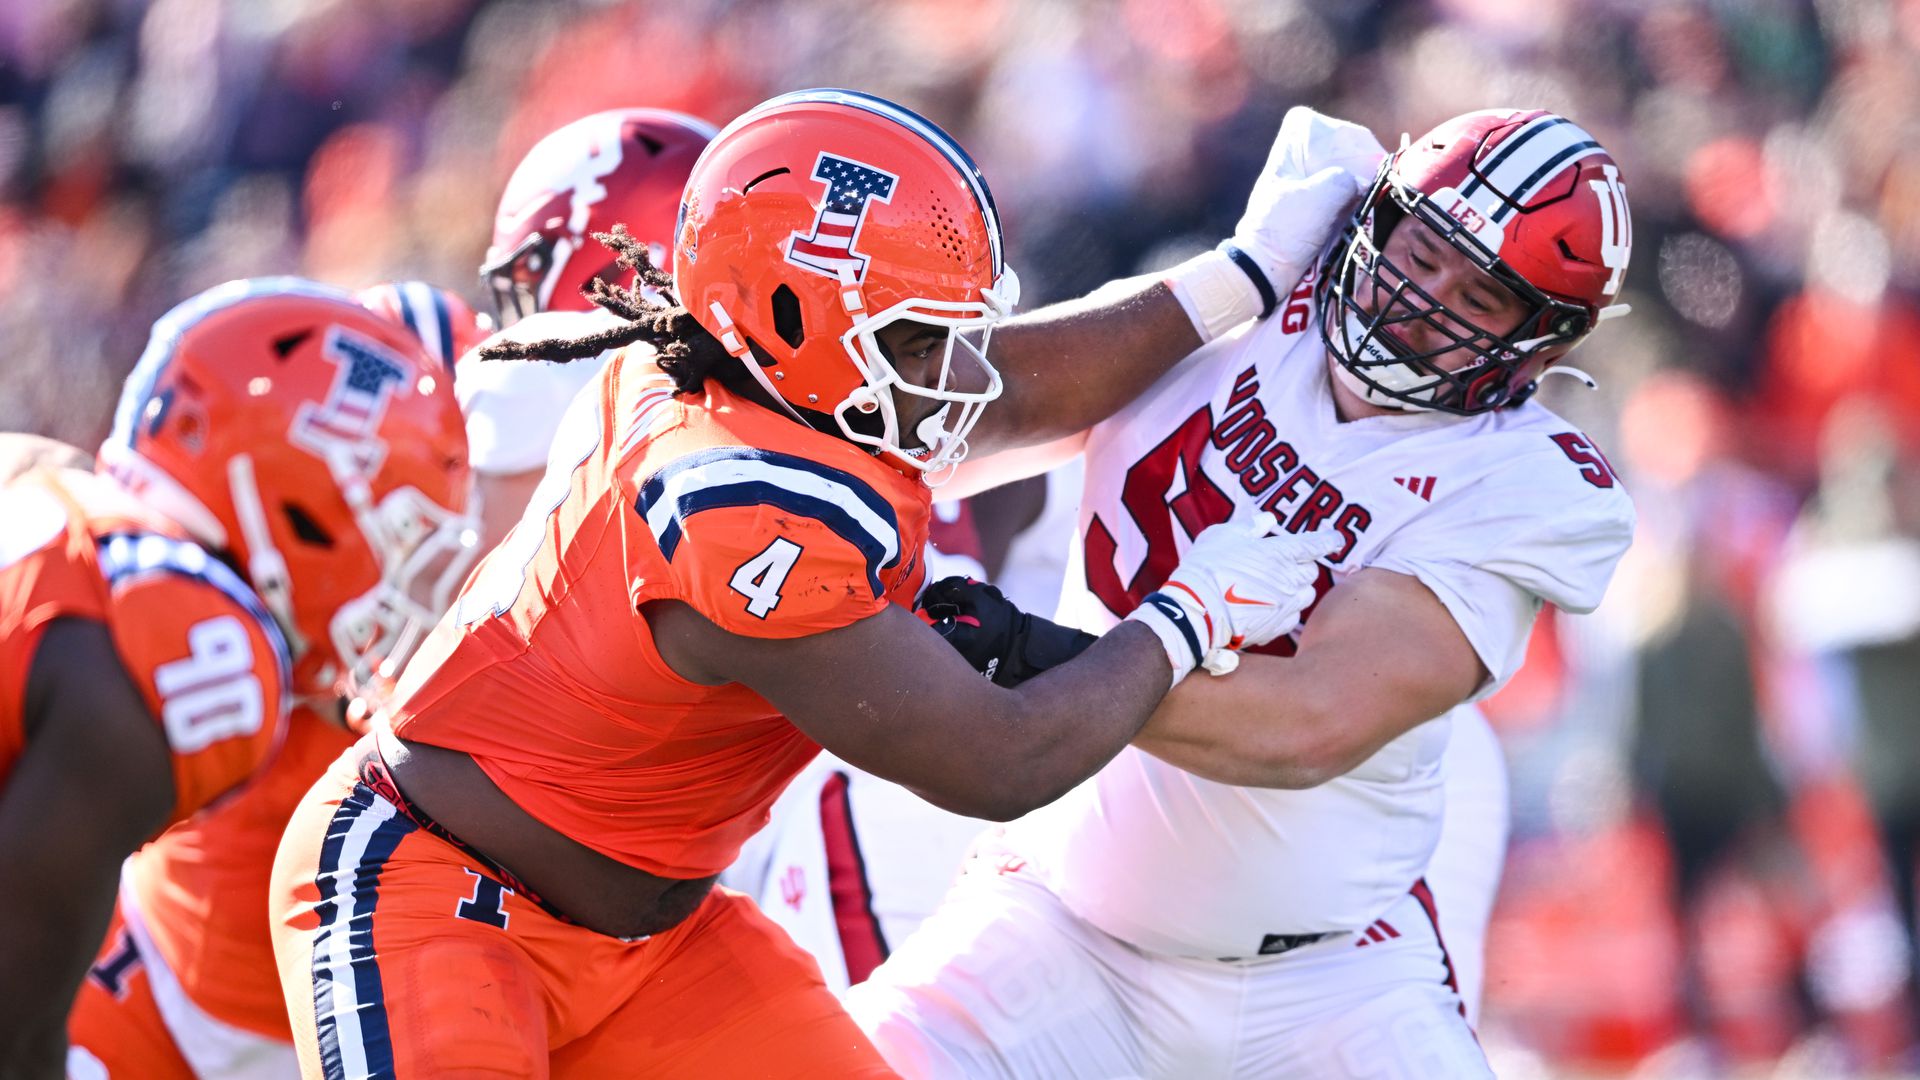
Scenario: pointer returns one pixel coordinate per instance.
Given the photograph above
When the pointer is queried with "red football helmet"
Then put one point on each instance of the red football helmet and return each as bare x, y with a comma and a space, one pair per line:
818, 218
1526, 196
622, 166
315, 445
443, 322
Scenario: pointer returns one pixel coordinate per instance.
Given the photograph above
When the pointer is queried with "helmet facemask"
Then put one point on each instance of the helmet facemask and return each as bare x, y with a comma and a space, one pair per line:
521, 282
423, 550
965, 381
1366, 302
425, 553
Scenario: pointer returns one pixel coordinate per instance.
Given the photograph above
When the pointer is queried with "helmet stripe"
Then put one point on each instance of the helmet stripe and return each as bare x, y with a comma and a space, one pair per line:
1487, 173
1532, 184
1526, 162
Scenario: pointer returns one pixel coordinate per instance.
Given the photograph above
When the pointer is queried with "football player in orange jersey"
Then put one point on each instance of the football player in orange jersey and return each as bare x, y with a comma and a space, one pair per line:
512, 874
184, 984
281, 461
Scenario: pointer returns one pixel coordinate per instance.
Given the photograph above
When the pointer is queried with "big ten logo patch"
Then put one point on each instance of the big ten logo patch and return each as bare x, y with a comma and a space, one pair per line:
793, 887
1298, 310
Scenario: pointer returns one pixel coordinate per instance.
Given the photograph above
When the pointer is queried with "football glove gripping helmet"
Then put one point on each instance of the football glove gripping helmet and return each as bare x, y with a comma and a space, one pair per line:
622, 166
1240, 584
317, 447
1526, 196
1002, 642
813, 222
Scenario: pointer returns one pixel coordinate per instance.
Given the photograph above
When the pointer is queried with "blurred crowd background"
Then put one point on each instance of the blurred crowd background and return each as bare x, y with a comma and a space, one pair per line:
1716, 778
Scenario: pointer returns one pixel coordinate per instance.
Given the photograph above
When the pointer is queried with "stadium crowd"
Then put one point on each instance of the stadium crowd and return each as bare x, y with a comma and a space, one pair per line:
1716, 777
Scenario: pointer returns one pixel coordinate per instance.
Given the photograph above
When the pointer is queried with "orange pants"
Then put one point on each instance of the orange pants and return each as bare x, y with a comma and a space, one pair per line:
114, 1019
403, 957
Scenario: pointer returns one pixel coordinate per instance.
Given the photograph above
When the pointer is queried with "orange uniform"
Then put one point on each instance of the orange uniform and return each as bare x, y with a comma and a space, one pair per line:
414, 956
198, 952
194, 638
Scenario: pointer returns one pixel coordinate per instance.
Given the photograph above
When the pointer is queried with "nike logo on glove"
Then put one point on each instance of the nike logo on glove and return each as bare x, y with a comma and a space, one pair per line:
1235, 598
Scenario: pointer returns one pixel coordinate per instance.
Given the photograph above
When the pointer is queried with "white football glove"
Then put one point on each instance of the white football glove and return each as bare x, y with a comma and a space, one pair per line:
1240, 584
1318, 168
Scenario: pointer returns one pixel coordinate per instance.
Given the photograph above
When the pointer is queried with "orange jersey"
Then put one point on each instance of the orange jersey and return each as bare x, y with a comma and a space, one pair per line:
209, 660
202, 886
547, 675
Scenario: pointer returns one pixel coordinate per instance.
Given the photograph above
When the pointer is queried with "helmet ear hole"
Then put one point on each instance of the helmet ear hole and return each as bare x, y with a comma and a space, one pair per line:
786, 317
305, 527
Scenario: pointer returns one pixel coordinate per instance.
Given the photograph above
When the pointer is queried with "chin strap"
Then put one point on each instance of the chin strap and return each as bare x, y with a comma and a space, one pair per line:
1562, 369
266, 569
731, 341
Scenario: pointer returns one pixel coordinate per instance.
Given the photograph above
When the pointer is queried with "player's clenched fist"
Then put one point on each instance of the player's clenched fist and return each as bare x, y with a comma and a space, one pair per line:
1315, 172
1240, 584
1318, 167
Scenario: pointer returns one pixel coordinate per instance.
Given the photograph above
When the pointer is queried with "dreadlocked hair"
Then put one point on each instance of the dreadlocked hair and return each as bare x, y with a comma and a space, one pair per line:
683, 349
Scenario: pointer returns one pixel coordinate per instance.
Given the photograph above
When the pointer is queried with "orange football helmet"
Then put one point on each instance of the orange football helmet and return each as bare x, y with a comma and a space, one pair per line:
317, 447
443, 322
618, 167
820, 217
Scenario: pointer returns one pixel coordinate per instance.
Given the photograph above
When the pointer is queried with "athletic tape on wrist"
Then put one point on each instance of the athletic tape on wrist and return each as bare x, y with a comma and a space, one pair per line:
1217, 292
1268, 298
1169, 621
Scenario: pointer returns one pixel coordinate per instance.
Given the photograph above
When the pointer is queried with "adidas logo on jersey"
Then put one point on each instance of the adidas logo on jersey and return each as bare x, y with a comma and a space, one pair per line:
1419, 485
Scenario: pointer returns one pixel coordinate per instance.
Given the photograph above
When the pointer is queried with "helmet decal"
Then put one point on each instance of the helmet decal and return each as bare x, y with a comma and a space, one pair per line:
852, 187
349, 419
1527, 160
1616, 227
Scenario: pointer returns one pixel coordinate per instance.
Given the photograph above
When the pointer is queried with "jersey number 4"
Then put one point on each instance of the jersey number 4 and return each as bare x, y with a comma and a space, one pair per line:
759, 579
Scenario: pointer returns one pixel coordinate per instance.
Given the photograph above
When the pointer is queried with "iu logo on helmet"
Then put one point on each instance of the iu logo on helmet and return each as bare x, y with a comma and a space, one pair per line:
1616, 226
350, 416
851, 188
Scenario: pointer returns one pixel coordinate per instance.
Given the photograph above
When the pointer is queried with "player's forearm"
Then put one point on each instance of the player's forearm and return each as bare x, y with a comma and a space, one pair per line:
1071, 365
57, 908
1272, 724
1040, 739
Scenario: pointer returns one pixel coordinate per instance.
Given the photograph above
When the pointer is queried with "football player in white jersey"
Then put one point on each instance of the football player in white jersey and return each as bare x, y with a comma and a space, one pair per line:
1242, 892
621, 166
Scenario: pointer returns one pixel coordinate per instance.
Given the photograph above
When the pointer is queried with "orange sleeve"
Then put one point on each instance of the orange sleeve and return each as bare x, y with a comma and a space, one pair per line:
210, 661
771, 545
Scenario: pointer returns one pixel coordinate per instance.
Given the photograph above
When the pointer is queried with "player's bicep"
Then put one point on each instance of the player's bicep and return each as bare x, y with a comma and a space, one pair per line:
93, 783
1380, 656
1387, 654
885, 693
977, 474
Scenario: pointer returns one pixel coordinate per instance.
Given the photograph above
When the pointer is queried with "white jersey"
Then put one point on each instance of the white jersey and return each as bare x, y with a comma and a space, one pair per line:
513, 407
1495, 513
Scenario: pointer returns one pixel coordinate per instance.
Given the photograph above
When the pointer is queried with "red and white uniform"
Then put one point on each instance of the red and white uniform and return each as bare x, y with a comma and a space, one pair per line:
1495, 513
195, 639
513, 407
